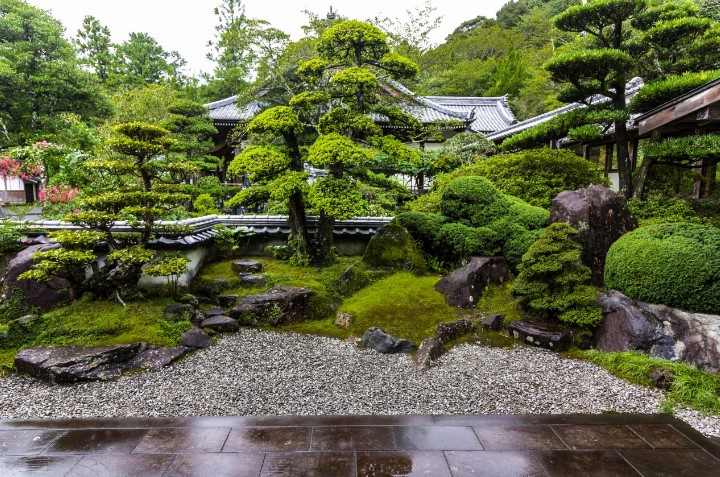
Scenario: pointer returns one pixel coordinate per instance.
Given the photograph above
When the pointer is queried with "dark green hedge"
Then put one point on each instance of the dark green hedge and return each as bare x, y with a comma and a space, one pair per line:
675, 264
473, 201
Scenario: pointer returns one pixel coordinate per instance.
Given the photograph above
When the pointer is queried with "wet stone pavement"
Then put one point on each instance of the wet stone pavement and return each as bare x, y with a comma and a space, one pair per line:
337, 446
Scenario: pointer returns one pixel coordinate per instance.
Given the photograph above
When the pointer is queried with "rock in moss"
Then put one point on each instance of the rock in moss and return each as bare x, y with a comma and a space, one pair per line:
393, 247
353, 279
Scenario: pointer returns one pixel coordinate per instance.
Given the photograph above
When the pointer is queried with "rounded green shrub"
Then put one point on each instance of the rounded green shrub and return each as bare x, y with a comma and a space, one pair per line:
529, 216
515, 239
456, 241
675, 264
473, 201
423, 226
535, 175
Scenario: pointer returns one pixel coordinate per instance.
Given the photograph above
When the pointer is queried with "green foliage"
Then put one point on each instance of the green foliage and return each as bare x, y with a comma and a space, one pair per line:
423, 226
170, 266
456, 241
336, 151
10, 235
528, 216
656, 93
552, 279
204, 204
338, 198
535, 176
472, 200
675, 264
684, 151
61, 262
13, 306
277, 120
658, 209
690, 387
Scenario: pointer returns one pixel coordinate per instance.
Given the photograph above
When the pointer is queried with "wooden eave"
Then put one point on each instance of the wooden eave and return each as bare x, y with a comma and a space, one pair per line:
700, 107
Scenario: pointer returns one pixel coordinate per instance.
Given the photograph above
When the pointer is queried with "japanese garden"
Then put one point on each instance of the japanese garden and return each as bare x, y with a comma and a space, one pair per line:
521, 219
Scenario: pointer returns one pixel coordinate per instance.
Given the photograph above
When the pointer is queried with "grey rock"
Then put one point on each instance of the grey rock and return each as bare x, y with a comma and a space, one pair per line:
660, 331
227, 301
344, 320
219, 285
280, 304
45, 296
221, 324
450, 330
463, 287
156, 358
600, 216
545, 335
493, 322
250, 266
60, 364
216, 312
377, 339
253, 281
176, 313
430, 350
662, 378
196, 338
189, 299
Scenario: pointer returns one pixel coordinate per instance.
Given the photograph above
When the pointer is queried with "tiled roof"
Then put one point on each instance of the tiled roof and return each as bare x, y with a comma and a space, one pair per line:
203, 227
482, 114
227, 111
632, 87
490, 113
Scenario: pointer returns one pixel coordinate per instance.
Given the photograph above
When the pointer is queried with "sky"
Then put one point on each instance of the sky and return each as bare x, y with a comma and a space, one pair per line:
187, 25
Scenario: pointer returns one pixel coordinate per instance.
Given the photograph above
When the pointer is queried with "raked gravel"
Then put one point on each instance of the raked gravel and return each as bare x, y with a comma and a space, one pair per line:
262, 373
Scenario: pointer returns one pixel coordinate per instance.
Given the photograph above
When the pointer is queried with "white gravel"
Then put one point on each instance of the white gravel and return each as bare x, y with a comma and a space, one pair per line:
260, 373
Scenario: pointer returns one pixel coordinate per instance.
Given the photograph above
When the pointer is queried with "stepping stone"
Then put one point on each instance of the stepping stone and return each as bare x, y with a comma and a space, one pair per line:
251, 266
221, 324
196, 338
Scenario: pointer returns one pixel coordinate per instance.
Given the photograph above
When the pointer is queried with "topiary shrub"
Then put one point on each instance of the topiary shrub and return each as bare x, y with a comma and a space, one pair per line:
529, 216
423, 226
473, 201
552, 279
515, 239
456, 241
535, 176
675, 264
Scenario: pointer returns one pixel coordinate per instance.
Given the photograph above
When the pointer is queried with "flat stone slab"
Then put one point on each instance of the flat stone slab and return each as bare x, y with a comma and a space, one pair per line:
578, 444
221, 324
196, 338
247, 266
156, 358
541, 334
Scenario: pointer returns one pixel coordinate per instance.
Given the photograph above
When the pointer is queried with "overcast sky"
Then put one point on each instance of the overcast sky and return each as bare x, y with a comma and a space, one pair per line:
187, 25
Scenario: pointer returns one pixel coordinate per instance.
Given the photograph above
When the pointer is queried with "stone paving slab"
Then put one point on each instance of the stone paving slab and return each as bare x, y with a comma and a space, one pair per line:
359, 446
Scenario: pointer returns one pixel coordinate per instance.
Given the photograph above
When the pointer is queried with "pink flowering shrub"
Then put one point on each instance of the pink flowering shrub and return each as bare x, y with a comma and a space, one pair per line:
58, 194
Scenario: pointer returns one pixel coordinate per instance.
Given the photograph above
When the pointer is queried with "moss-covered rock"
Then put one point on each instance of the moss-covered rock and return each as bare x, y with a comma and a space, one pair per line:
354, 279
675, 264
393, 247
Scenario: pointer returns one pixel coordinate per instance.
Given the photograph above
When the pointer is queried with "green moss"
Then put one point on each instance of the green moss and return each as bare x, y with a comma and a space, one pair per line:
404, 305
498, 299
691, 386
94, 323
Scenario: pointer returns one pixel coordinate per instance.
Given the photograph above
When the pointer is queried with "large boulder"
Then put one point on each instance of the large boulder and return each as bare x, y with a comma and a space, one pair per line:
544, 335
377, 339
600, 216
393, 247
279, 305
45, 296
660, 331
464, 286
72, 364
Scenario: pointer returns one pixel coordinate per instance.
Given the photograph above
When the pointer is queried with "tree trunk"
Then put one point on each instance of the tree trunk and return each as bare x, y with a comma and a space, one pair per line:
324, 241
639, 191
298, 226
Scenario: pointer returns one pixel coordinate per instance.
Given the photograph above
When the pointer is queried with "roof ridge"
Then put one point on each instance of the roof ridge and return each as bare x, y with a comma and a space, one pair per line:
222, 102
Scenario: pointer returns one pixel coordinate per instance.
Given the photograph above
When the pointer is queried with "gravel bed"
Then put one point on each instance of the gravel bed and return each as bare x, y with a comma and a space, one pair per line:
260, 373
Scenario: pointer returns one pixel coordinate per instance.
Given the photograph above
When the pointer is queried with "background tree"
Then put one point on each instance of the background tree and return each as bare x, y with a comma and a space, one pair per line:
39, 76
95, 47
141, 60
192, 130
